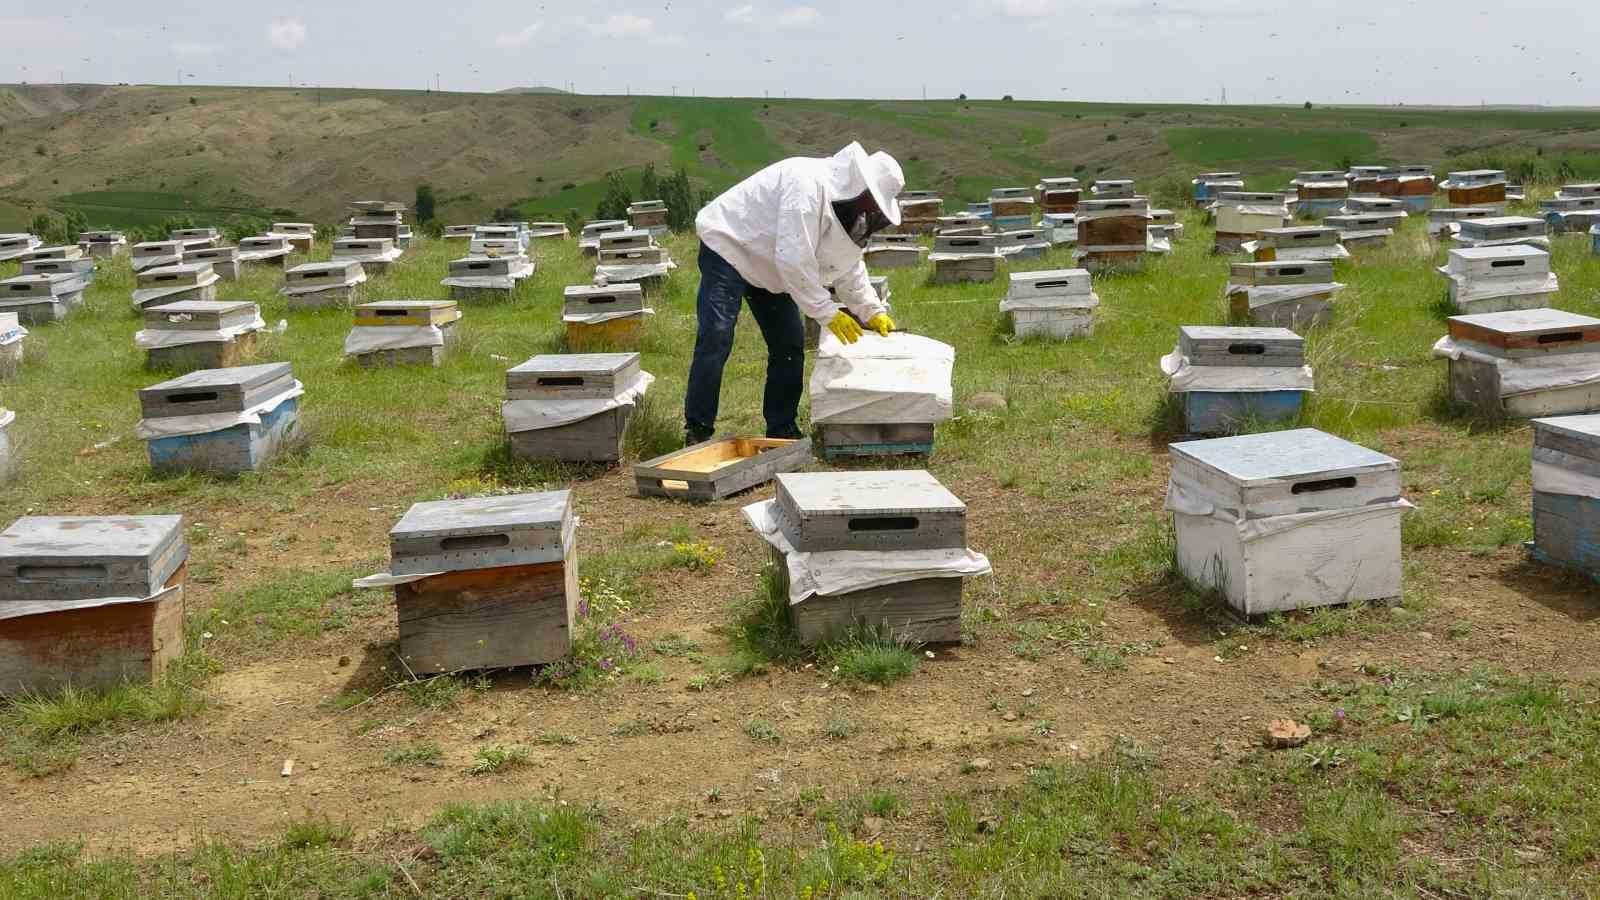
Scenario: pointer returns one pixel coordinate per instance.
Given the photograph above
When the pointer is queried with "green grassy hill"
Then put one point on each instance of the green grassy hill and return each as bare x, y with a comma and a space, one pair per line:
127, 154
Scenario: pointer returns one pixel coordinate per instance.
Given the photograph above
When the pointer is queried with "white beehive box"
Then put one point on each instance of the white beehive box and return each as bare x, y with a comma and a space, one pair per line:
374, 254
154, 254
1441, 220
1497, 279
1241, 216
1054, 304
185, 281
1308, 243
1112, 189
1523, 363
1283, 293
223, 260
11, 338
315, 285
1361, 231
1287, 520
14, 245
265, 249
40, 299
101, 244
84, 268
1566, 493
1501, 231
589, 238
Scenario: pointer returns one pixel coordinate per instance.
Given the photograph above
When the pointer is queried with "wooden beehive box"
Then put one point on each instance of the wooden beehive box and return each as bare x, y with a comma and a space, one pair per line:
1055, 304
1479, 187
1112, 189
1499, 278
649, 215
246, 447
103, 244
265, 250
201, 316
1303, 243
502, 582
1498, 230
1312, 187
64, 251
169, 284
1286, 294
1566, 493
156, 254
1441, 220
83, 268
1208, 184
414, 314
13, 246
195, 238
1361, 231
1011, 203
223, 260
322, 284
41, 299
547, 230
1241, 216
603, 318
876, 512
632, 239
719, 468
301, 235
458, 232
893, 251
1121, 224
972, 258
561, 378
1219, 345
1207, 411
56, 574
1364, 179
1286, 559
1281, 272
374, 254
1525, 337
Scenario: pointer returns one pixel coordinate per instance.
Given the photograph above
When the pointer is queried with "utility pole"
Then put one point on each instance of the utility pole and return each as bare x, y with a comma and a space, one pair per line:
674, 90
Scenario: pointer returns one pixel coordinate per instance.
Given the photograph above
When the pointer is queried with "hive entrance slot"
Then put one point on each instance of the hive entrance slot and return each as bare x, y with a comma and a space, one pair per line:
1326, 484
193, 397
1507, 263
561, 381
61, 573
475, 542
1246, 349
1560, 337
884, 523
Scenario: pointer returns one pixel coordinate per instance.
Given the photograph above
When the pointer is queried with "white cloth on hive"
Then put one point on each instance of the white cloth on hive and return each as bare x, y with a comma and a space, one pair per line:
1549, 478
373, 338
1282, 293
1524, 375
834, 572
1233, 379
536, 414
624, 274
160, 338
183, 426
384, 579
598, 317
899, 379
1190, 502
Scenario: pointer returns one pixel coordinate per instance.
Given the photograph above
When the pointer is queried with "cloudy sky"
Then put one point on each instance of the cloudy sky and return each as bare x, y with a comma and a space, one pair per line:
1329, 51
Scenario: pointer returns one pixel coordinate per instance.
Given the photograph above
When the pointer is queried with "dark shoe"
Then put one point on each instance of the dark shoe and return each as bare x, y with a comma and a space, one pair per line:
692, 436
786, 434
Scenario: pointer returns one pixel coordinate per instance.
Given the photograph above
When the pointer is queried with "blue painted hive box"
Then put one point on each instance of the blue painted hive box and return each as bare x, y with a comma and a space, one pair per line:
1566, 492
220, 421
1228, 378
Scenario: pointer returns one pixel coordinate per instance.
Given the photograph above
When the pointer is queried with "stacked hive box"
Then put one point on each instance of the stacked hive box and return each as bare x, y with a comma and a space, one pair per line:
220, 421
573, 407
1287, 520
265, 250
1286, 293
320, 285
589, 238
1523, 363
374, 254
1497, 279
486, 277
1023, 244
1011, 209
195, 238
1443, 222
604, 316
155, 255
901, 532
919, 212
1387, 208
486, 583
300, 235
1226, 378
103, 244
1413, 186
1502, 231
503, 232
1164, 226
402, 332
1113, 234
370, 219
1208, 185
1574, 209
547, 231
1309, 243
1477, 188
1566, 493
1112, 189
90, 603
15, 245
497, 246
960, 258
893, 251
11, 336
1320, 193
1057, 304
198, 334
224, 261
881, 396
1364, 180
459, 232
1059, 196
1357, 232
40, 299
633, 257
648, 215
59, 261
169, 284
1241, 216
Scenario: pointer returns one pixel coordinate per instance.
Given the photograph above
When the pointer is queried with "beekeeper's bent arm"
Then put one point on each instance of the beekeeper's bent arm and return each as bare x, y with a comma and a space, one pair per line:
856, 293
799, 234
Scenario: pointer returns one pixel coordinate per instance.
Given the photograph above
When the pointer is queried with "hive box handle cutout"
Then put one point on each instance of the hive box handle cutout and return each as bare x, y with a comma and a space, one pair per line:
1326, 484
475, 542
1246, 349
61, 573
884, 523
561, 381
1561, 337
196, 397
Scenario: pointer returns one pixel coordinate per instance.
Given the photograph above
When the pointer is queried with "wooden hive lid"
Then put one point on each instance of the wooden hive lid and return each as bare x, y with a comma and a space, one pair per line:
648, 206
1010, 193
1113, 206
364, 245
631, 239
1358, 222
101, 237
1282, 272
1319, 176
345, 269
572, 375
157, 248
591, 364
407, 312
1376, 204
63, 252
1050, 282
973, 243
367, 207
189, 234
1477, 177
1528, 329
43, 284
1506, 261
893, 240
878, 492
626, 290
211, 309
483, 265
1285, 472
918, 195
207, 254
482, 533
1414, 171
1301, 236
62, 558
1567, 436
1492, 228
294, 228
216, 390
1228, 345
602, 227
1217, 176
190, 273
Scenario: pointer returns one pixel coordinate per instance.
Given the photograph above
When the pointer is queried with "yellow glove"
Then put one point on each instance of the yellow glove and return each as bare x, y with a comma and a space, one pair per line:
845, 327
881, 323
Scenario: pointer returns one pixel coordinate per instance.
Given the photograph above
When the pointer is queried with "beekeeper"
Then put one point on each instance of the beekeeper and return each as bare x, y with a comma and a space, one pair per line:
779, 240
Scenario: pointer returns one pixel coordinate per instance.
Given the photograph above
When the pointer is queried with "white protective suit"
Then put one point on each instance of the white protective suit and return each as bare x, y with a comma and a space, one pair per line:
778, 229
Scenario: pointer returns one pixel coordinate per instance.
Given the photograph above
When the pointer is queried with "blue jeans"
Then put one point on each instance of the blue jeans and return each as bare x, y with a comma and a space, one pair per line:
722, 292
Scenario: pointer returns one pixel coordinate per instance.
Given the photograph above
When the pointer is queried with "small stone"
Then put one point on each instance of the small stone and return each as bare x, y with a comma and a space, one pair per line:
1010, 717
871, 826
1027, 692
986, 400
1284, 733
980, 764
1424, 635
1168, 661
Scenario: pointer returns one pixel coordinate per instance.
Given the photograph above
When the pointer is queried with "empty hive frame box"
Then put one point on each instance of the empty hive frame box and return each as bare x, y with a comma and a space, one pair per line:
604, 317
1361, 232
1496, 279
1112, 233
224, 261
484, 583
893, 251
402, 332
374, 254
1502, 231
41, 299
198, 334
301, 235
1207, 185
959, 258
169, 284
573, 407
1284, 294
322, 284
884, 552
265, 250
1287, 520
1241, 216
1478, 187
1228, 378
103, 244
155, 255
89, 603
719, 468
1523, 363
881, 396
1566, 493
589, 238
1307, 243
220, 421
1052, 305
14, 245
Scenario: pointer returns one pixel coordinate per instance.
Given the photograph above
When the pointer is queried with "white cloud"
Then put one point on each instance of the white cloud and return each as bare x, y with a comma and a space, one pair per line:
1029, 9
517, 38
745, 13
194, 49
286, 34
626, 25
798, 17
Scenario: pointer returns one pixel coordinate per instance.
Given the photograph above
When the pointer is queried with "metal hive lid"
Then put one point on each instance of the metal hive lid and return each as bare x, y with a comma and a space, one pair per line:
1253, 459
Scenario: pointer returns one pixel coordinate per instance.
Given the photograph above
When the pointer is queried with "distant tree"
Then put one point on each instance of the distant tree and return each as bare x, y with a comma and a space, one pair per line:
574, 220
433, 228
46, 228
649, 184
614, 205
1308, 104
424, 203
679, 195
961, 97
244, 227
505, 214
73, 223
1007, 99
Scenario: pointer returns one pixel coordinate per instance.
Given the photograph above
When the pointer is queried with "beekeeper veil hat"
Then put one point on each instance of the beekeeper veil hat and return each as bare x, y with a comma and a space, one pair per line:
879, 174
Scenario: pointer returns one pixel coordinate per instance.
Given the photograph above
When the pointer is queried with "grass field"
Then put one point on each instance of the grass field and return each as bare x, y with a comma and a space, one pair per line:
139, 209
1096, 734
